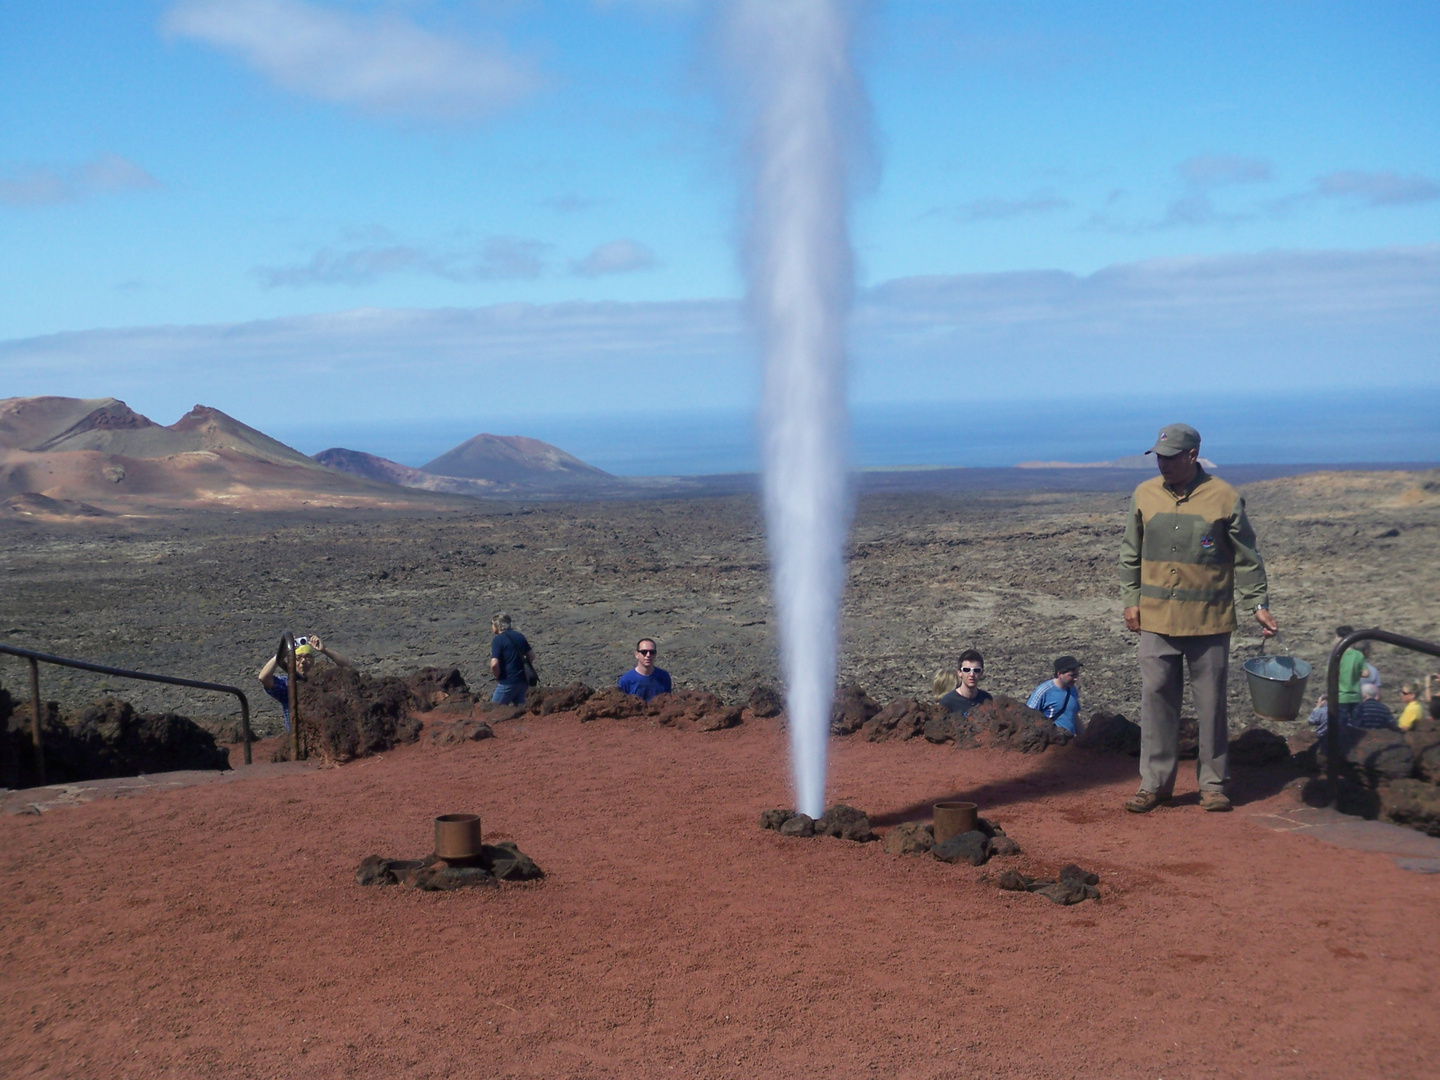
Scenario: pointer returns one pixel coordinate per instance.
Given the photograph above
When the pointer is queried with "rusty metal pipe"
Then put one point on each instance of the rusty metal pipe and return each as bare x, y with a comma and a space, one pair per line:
35, 734
287, 641
952, 819
457, 837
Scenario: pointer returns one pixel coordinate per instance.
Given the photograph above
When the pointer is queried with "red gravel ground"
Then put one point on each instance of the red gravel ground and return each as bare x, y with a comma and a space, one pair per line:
217, 931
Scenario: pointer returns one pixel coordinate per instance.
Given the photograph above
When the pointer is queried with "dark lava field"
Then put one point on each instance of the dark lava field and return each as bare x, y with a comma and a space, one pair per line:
1021, 575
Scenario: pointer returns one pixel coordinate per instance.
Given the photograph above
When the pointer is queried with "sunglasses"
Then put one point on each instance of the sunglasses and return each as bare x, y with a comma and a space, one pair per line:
972, 671
645, 652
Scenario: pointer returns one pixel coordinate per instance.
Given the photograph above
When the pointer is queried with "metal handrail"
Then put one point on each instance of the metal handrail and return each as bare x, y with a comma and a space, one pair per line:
1332, 688
38, 658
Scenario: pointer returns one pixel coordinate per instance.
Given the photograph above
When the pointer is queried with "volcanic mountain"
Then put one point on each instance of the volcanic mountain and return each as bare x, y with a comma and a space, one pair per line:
385, 471
513, 459
100, 451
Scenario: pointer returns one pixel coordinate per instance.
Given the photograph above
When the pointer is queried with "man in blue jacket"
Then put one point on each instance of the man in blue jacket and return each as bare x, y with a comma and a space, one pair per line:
645, 680
1058, 698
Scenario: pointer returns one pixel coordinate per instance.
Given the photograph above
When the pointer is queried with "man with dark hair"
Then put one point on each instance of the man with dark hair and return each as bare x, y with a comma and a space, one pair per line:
967, 693
645, 680
1057, 698
1188, 551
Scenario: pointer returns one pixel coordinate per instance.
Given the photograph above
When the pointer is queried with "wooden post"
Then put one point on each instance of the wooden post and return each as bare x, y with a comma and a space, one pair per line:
35, 734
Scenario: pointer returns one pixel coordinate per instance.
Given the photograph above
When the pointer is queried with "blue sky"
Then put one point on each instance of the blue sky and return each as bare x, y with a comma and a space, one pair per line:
415, 201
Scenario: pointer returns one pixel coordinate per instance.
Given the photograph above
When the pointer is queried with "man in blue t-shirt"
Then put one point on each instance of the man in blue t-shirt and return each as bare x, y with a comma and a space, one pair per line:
508, 653
1057, 698
645, 680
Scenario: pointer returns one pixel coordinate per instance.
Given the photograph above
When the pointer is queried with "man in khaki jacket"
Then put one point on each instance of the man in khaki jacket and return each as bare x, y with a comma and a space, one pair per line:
1188, 551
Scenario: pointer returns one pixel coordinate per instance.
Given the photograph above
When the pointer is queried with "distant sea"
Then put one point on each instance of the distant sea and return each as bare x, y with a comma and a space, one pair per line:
1248, 428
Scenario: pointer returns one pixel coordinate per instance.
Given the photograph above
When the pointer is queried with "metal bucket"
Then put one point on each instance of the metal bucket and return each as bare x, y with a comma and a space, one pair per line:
1277, 685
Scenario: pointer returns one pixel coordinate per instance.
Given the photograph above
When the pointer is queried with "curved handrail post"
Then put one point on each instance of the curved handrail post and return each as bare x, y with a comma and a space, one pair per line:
287, 642
36, 735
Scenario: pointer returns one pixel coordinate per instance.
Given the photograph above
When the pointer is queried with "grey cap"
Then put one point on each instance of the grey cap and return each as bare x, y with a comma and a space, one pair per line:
1175, 439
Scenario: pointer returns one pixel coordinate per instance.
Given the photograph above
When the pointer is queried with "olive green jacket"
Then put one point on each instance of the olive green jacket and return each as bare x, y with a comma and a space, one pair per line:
1185, 556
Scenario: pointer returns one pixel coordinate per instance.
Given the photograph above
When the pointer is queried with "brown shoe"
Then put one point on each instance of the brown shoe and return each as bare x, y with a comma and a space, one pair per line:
1217, 802
1142, 802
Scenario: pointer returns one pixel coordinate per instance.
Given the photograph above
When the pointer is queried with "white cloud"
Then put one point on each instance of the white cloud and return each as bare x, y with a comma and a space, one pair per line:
1378, 188
572, 204
498, 257
617, 257
1269, 323
1217, 170
998, 209
47, 185
380, 63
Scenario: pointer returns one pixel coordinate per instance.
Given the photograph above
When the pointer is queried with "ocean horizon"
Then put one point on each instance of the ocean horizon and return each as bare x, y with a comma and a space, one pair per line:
1329, 429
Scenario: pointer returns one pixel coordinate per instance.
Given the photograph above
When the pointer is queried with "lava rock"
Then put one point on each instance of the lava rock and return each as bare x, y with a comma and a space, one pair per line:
459, 732
434, 686
1008, 723
988, 827
845, 823
1073, 886
373, 871
544, 700
773, 819
1111, 733
107, 739
1188, 744
851, 709
1381, 755
610, 703
1413, 803
903, 719
1071, 872
909, 838
354, 715
1256, 746
1001, 845
799, 825
971, 847
508, 863
764, 703
1427, 761
941, 728
1011, 881
703, 711
448, 878
1067, 892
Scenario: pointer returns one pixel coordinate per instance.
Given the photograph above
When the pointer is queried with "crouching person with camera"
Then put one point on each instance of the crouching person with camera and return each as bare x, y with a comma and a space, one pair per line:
276, 680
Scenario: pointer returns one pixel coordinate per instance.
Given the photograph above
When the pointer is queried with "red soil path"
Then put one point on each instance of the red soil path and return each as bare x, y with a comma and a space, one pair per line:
216, 931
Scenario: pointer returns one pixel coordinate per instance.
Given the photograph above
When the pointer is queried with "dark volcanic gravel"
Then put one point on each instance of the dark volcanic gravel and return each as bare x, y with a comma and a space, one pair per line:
1023, 576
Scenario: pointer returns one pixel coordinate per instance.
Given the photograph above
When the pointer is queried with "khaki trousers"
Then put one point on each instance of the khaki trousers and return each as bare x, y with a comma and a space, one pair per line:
1162, 687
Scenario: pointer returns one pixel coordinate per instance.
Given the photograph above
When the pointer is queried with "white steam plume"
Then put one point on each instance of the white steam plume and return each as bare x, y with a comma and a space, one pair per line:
804, 110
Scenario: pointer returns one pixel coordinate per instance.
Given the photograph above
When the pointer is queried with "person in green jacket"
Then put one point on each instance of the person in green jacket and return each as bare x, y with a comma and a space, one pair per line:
1352, 672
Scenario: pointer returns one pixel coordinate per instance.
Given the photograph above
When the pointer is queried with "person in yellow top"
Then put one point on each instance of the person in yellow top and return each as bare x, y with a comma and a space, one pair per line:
1412, 711
1188, 560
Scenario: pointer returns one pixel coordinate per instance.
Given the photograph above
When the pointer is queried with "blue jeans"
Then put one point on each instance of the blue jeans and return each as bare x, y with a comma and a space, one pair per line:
509, 694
